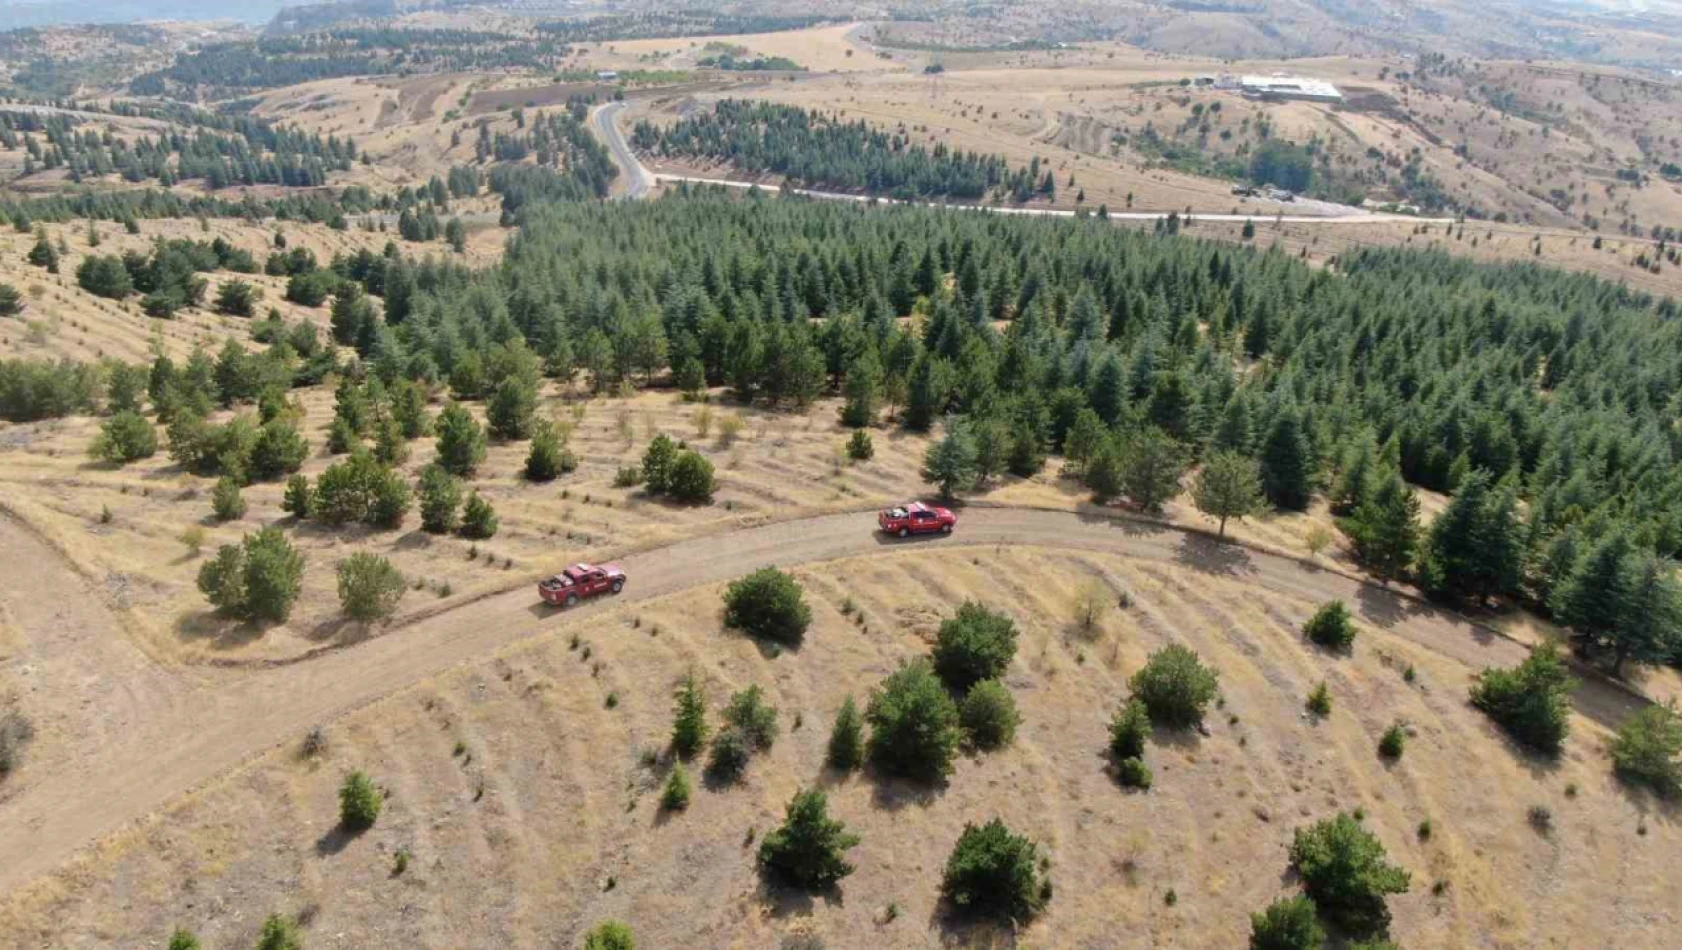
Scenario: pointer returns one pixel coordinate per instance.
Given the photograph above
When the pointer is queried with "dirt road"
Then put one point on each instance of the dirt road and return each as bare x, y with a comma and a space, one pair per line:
167, 748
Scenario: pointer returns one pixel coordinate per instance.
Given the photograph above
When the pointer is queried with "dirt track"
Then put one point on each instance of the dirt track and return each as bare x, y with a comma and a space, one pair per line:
172, 743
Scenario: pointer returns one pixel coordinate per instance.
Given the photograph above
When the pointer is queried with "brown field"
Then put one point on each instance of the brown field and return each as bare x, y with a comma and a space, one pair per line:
826, 49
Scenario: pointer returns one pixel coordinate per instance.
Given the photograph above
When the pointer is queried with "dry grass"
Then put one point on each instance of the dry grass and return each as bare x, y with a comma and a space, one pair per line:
546, 820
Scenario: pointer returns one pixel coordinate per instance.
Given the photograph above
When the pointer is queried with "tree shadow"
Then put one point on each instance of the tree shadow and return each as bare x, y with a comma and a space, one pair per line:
331, 629
885, 539
1179, 738
221, 632
1384, 607
894, 794
783, 901
1213, 557
961, 928
336, 840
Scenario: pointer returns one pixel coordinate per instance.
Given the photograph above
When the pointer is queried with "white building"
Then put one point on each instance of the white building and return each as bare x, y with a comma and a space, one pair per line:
1288, 87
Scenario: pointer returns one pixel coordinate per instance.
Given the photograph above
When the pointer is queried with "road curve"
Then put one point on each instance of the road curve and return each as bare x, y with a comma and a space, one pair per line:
637, 179
239, 716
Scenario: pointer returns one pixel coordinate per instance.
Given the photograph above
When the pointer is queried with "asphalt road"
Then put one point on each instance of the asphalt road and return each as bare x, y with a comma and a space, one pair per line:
204, 722
636, 178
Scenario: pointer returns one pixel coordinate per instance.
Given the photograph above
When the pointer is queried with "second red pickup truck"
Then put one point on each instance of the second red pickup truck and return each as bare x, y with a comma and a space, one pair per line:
916, 518
579, 581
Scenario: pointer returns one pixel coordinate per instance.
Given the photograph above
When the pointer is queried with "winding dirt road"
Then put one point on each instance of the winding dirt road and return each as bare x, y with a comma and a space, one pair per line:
205, 722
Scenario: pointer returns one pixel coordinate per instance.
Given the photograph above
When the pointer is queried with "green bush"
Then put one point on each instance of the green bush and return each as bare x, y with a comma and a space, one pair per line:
1331, 627
657, 463
226, 500
299, 499
1320, 701
183, 939
125, 437
913, 724
860, 448
691, 479
359, 802
988, 714
1289, 923
440, 500
767, 604
975, 645
1175, 686
1129, 730
1532, 701
1394, 740
237, 298
256, 580
478, 519
753, 717
369, 587
994, 873
730, 755
546, 459
279, 933
279, 450
689, 718
1134, 773
675, 795
390, 502
807, 851
1647, 746
1346, 873
610, 935
461, 442
11, 302
104, 276
628, 476
846, 740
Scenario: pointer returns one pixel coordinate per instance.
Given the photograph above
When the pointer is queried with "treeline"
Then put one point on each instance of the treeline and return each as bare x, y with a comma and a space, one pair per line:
810, 148
733, 62
250, 151
639, 26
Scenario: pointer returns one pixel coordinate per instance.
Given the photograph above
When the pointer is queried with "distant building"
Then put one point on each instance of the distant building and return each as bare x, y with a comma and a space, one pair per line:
607, 75
1288, 87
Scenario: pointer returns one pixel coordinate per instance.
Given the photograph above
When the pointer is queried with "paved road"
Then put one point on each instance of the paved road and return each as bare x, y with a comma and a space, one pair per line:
636, 178
232, 716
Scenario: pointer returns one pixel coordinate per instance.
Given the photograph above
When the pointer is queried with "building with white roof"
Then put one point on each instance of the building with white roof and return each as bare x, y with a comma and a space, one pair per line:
1288, 87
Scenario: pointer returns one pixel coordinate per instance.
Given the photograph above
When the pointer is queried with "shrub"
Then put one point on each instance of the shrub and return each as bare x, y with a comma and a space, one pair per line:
1129, 730
359, 802
1531, 701
1331, 627
461, 442
1346, 873
226, 500
278, 450
993, 872
657, 463
125, 437
183, 939
1289, 923
753, 717
675, 795
1134, 773
237, 298
768, 604
730, 754
1647, 746
11, 302
192, 537
808, 849
478, 519
299, 499
440, 500
1175, 686
1320, 701
15, 732
691, 479
846, 740
369, 587
975, 645
545, 461
279, 933
689, 718
913, 724
1390, 745
989, 715
261, 579
610, 935
860, 448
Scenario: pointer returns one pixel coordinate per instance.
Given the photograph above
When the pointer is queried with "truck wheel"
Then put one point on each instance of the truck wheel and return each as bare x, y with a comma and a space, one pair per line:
618, 586
945, 529
904, 532
572, 600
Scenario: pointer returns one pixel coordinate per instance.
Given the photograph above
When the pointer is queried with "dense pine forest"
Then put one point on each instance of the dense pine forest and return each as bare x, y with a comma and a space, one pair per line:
221, 150
1543, 401
642, 26
820, 151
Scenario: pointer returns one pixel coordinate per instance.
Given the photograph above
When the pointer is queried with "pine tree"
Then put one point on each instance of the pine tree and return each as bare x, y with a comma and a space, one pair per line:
951, 462
1287, 465
1229, 486
846, 740
689, 718
1384, 528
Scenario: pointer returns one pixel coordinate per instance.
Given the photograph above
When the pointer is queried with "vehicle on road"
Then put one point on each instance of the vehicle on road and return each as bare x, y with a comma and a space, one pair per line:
579, 581
914, 517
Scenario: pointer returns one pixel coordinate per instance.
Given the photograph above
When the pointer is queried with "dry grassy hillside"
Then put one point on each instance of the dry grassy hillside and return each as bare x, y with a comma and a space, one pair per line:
524, 788
62, 320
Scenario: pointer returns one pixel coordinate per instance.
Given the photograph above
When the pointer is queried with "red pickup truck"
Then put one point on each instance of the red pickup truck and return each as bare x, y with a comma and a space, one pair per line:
916, 518
581, 580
